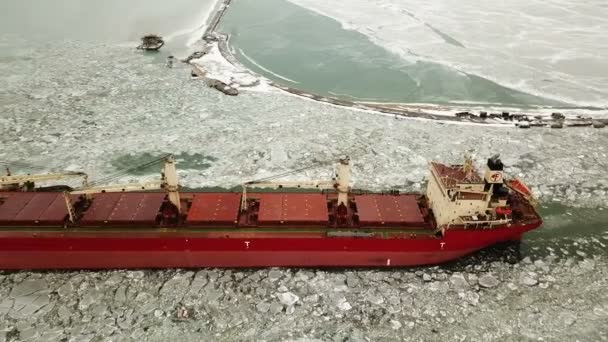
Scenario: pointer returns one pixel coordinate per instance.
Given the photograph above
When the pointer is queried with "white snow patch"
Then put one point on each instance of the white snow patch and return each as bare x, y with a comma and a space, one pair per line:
254, 62
219, 68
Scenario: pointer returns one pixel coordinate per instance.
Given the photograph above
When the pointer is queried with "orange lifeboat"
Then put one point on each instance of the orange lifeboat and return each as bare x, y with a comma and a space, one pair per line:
519, 186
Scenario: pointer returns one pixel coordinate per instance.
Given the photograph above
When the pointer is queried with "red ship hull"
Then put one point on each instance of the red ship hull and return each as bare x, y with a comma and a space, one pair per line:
213, 229
103, 250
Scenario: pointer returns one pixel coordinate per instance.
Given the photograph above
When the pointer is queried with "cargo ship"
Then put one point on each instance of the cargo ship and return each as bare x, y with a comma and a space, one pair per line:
324, 223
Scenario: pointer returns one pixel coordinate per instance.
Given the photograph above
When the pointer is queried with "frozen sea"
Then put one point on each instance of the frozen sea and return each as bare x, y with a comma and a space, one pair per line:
85, 99
550, 49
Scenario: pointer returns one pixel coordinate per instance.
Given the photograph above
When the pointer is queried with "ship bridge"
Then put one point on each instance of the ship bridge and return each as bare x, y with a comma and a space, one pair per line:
457, 194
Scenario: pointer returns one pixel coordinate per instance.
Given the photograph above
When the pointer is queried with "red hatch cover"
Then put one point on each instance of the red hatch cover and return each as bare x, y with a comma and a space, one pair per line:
29, 208
149, 207
293, 208
389, 210
124, 208
13, 205
37, 206
57, 211
214, 208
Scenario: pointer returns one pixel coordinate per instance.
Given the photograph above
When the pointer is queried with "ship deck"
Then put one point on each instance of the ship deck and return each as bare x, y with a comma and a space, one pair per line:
304, 229
203, 211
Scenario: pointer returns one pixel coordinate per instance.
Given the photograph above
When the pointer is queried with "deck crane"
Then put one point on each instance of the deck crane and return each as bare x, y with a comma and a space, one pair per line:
169, 182
341, 183
27, 182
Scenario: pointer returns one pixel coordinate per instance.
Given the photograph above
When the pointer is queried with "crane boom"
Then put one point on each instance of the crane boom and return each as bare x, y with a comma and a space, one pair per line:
294, 184
154, 185
278, 185
27, 182
341, 183
5, 180
169, 182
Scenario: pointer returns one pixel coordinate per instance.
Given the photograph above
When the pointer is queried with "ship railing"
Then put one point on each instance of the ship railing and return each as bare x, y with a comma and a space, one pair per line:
351, 233
468, 220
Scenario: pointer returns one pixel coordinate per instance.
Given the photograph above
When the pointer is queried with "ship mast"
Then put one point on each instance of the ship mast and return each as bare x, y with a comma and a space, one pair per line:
343, 180
468, 166
171, 182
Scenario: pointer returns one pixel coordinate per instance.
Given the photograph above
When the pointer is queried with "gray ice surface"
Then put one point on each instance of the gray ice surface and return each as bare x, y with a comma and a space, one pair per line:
564, 301
74, 105
85, 110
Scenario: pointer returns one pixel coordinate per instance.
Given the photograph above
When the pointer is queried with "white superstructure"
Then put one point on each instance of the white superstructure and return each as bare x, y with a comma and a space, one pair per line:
457, 195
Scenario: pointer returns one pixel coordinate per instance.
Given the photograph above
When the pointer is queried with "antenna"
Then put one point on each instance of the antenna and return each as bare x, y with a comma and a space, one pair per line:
468, 167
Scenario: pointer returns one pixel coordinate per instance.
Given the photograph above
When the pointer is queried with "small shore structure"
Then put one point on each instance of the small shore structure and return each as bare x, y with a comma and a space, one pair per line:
151, 42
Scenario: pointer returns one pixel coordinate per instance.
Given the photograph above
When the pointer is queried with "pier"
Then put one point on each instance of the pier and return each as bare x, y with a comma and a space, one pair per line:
217, 17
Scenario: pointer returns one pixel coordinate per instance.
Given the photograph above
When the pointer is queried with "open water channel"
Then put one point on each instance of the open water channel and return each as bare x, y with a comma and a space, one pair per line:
302, 49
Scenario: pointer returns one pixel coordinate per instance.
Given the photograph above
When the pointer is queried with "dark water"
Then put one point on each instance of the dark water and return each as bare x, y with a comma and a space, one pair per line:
302, 49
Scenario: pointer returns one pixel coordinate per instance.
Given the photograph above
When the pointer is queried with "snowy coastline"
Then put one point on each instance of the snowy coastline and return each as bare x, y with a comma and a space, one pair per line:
519, 55
224, 66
